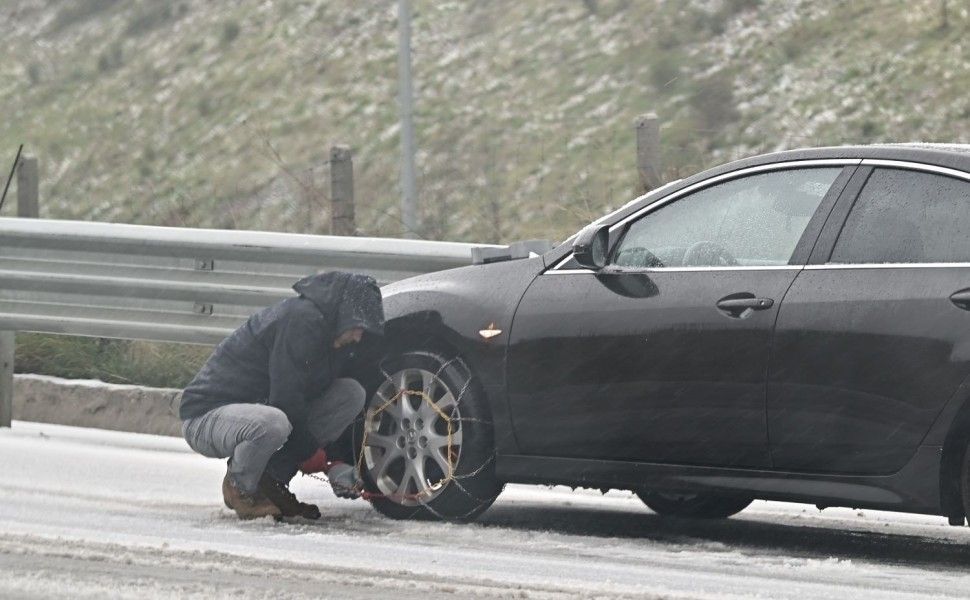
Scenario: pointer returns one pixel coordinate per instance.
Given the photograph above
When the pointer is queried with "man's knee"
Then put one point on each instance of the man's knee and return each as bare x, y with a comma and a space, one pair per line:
351, 392
331, 413
274, 425
345, 396
217, 433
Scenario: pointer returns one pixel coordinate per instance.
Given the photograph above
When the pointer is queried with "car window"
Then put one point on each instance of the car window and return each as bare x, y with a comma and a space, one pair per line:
907, 217
750, 221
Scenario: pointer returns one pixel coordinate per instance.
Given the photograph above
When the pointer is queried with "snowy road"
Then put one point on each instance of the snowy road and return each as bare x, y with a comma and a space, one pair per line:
89, 513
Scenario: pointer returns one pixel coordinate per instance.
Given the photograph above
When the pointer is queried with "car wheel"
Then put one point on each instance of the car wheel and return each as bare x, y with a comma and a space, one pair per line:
426, 444
694, 506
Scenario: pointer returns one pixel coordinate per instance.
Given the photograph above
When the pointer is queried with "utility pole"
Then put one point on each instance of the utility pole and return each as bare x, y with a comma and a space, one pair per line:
409, 194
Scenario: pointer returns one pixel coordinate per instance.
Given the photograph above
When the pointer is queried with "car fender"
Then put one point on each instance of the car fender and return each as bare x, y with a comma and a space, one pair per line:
450, 308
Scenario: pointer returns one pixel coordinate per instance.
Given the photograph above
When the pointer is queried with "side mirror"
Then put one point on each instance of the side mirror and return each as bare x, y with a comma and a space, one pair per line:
591, 246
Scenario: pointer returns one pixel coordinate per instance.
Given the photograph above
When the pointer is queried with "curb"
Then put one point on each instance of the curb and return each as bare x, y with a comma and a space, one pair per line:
92, 403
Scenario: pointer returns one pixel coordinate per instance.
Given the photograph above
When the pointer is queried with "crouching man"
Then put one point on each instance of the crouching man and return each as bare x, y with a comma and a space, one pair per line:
270, 396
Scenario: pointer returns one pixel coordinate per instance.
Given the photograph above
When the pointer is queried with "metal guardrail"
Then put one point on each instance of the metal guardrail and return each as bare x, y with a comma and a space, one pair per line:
172, 284
175, 284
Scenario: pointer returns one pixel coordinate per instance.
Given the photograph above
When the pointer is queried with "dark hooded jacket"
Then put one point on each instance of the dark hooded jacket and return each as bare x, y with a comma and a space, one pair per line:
283, 355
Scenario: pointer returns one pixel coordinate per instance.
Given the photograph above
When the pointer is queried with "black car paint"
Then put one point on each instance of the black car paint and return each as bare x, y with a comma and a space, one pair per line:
902, 457
662, 377
859, 394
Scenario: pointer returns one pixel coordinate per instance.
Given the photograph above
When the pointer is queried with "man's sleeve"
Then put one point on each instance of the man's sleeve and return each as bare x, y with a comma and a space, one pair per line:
297, 366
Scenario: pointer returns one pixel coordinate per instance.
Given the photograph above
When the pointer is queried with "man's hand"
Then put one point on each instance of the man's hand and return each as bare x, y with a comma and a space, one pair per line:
316, 463
343, 477
344, 481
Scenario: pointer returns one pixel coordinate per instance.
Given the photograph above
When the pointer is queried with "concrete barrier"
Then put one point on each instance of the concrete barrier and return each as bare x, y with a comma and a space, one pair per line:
87, 403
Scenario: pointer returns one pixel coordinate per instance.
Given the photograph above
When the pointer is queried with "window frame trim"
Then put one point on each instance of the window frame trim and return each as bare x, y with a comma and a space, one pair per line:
820, 260
860, 266
787, 165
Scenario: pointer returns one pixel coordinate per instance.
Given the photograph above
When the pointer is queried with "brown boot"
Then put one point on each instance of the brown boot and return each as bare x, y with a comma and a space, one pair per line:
281, 496
247, 506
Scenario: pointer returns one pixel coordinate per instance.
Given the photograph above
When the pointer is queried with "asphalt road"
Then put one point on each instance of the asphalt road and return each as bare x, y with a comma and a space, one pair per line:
90, 513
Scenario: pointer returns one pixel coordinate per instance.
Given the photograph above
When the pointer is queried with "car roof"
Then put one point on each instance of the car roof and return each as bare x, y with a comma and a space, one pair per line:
963, 148
945, 155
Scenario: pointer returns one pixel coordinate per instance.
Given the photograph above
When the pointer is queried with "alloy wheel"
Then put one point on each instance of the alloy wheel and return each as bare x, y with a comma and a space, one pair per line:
412, 436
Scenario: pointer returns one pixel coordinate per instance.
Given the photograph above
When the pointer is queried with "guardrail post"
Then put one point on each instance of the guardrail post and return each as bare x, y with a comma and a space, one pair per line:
28, 206
27, 188
6, 377
648, 152
342, 219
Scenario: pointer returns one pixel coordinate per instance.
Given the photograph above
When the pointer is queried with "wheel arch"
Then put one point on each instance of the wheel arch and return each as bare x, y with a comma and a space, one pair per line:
950, 435
424, 330
954, 447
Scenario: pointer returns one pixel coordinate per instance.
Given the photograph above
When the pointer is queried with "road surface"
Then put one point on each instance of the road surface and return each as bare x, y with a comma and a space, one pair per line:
87, 513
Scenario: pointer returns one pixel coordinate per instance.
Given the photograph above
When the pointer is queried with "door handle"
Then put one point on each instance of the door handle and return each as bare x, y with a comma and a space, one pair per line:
961, 299
740, 306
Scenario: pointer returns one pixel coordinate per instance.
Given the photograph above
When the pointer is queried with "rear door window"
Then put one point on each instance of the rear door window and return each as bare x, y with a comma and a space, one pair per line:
906, 216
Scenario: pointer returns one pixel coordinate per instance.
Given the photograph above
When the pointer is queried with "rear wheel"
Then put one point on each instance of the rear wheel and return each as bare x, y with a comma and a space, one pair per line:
695, 506
426, 445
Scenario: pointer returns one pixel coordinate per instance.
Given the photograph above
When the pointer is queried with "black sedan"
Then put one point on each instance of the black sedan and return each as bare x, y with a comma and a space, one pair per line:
794, 326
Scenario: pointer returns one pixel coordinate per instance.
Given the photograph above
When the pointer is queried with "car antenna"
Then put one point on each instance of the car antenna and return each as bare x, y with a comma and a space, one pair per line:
16, 161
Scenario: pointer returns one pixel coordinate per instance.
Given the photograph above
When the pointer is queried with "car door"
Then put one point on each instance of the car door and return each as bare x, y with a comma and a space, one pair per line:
662, 356
874, 336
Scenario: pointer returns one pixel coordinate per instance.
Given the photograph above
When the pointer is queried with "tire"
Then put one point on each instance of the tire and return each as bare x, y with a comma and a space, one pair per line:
694, 506
421, 446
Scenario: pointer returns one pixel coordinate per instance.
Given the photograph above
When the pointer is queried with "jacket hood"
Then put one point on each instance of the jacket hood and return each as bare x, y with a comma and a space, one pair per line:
351, 299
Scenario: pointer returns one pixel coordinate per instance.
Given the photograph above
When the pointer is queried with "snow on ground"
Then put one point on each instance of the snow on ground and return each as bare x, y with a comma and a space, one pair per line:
88, 513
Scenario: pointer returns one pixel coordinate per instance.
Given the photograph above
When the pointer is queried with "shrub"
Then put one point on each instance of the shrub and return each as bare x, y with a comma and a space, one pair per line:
79, 10
230, 31
869, 130
733, 7
665, 68
112, 58
149, 17
206, 106
34, 73
713, 101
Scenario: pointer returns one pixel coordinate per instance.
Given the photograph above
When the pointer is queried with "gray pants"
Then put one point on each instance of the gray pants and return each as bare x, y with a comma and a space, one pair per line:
249, 434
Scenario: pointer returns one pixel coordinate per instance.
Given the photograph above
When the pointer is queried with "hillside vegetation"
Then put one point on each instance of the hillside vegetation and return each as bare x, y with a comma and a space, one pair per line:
221, 114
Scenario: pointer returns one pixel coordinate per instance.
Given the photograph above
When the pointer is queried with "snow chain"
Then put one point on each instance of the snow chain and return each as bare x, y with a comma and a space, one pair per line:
449, 478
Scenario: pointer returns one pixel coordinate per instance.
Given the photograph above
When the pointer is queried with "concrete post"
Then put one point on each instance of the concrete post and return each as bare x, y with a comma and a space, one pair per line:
6, 377
648, 152
342, 219
27, 188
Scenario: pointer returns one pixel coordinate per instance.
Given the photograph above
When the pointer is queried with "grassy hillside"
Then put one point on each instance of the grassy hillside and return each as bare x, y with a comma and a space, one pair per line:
221, 114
